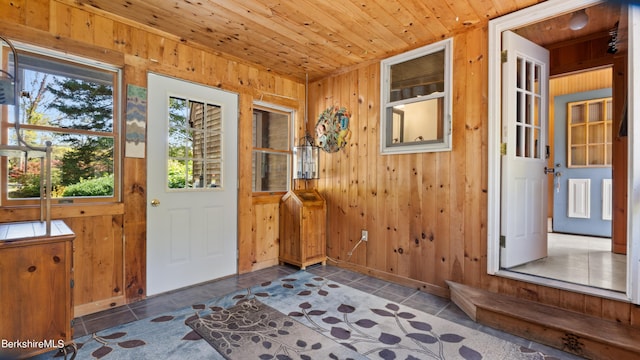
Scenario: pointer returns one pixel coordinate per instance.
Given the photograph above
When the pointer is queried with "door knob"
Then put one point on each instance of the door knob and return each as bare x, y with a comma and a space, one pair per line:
155, 202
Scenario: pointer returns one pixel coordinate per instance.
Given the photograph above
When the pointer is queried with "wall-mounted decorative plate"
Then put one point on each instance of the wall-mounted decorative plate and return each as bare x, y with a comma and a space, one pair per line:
332, 129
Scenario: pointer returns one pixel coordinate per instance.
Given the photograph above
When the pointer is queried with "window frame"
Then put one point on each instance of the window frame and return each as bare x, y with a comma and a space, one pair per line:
7, 124
291, 113
587, 124
386, 102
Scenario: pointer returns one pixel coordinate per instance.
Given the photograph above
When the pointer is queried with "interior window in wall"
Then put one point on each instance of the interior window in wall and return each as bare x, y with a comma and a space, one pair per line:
416, 100
271, 148
589, 133
73, 105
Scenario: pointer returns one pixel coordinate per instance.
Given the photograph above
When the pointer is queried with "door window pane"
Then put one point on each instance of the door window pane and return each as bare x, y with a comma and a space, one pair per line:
195, 145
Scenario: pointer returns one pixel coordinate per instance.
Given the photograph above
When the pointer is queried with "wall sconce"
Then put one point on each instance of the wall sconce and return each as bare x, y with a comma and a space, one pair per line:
306, 159
578, 20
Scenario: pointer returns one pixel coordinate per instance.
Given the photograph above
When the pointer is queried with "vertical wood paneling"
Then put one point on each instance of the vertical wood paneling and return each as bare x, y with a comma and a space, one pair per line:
475, 135
266, 227
98, 262
457, 176
416, 242
360, 130
72, 28
247, 235
440, 199
374, 196
429, 211
443, 217
403, 205
437, 198
134, 186
102, 32
36, 14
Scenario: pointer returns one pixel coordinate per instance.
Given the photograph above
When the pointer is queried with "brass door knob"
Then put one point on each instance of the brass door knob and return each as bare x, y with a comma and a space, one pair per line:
155, 202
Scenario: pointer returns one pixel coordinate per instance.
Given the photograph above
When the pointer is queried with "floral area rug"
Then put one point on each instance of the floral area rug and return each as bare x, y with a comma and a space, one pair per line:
253, 330
338, 321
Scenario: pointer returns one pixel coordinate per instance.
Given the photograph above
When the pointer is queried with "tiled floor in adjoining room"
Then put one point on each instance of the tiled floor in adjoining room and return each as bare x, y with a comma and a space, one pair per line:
585, 260
162, 303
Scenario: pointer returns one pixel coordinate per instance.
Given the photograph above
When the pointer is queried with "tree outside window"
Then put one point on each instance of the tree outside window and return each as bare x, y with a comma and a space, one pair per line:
74, 107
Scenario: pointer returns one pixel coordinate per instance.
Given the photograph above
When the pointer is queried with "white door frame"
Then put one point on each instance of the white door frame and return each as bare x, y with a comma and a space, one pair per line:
525, 17
633, 199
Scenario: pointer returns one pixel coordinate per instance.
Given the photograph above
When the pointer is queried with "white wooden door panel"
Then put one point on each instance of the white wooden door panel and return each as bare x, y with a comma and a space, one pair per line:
192, 184
579, 201
524, 138
607, 199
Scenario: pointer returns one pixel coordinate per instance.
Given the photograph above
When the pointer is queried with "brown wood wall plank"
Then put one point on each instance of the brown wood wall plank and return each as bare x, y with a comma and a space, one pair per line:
475, 213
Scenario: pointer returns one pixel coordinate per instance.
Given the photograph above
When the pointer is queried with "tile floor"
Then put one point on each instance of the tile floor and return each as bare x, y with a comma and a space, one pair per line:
174, 300
584, 260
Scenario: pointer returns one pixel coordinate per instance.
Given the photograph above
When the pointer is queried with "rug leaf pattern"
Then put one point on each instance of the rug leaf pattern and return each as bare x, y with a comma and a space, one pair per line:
253, 330
346, 322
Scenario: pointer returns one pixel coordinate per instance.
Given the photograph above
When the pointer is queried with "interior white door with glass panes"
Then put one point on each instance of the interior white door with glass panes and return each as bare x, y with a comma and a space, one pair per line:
524, 135
192, 182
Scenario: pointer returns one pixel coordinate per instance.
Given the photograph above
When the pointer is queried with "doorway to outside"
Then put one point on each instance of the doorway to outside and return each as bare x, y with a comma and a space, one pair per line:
579, 239
192, 182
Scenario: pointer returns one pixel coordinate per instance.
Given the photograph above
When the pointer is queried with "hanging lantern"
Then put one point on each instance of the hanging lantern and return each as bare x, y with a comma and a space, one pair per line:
306, 159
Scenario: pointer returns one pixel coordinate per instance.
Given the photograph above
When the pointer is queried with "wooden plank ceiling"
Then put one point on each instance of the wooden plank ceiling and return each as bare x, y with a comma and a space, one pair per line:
314, 37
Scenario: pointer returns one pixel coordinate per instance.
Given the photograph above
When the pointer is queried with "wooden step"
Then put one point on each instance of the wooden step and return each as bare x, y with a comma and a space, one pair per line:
580, 334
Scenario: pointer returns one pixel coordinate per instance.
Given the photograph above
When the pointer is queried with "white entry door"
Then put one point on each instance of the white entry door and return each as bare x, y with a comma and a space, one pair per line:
524, 139
192, 184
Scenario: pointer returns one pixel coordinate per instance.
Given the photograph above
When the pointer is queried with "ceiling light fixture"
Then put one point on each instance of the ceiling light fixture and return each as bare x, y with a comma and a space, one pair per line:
578, 20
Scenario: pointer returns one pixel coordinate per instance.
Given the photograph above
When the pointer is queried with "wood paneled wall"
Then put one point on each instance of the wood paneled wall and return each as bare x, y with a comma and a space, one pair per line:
426, 213
110, 257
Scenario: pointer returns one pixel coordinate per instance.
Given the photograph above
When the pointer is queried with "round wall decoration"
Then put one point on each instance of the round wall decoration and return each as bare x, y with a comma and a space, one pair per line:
332, 129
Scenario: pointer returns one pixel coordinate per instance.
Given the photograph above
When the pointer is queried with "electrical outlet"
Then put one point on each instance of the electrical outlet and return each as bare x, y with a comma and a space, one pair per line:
365, 235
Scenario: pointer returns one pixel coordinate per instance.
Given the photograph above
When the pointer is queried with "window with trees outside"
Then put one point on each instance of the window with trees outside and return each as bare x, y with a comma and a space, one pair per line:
74, 106
271, 148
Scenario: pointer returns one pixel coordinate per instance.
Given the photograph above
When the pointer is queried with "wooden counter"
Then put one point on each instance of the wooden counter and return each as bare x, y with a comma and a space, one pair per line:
36, 280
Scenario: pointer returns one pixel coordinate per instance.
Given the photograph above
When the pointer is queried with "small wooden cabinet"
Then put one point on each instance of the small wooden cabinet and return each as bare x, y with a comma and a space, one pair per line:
35, 287
303, 228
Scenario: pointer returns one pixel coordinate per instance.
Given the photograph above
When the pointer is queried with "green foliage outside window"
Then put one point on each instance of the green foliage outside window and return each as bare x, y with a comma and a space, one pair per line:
73, 107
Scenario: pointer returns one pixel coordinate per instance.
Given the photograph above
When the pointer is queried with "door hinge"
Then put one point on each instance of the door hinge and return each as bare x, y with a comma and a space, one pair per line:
503, 149
503, 56
503, 241
72, 283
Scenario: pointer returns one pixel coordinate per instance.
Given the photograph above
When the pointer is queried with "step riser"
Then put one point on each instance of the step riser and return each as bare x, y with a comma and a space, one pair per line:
584, 335
564, 340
